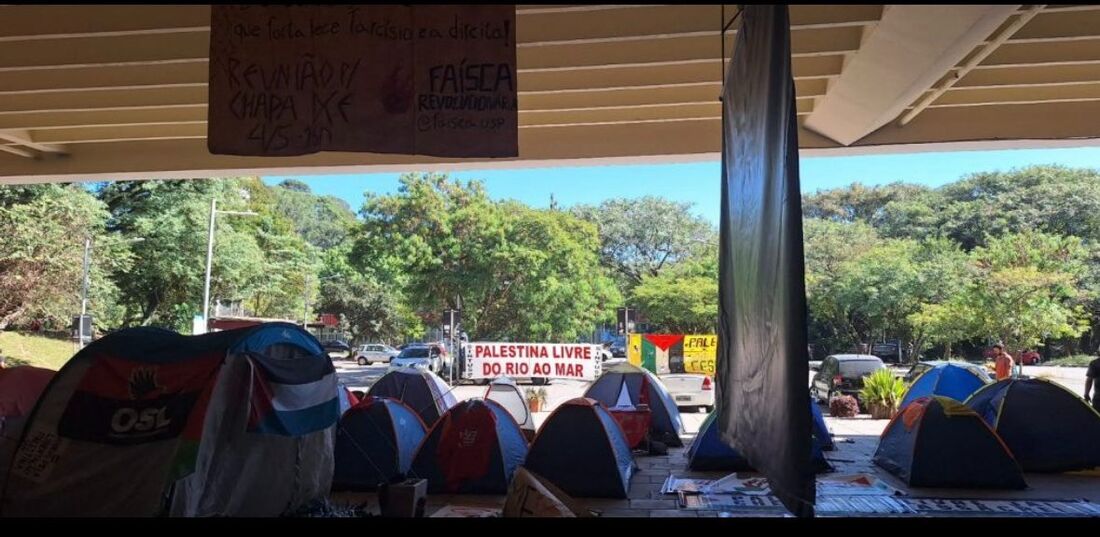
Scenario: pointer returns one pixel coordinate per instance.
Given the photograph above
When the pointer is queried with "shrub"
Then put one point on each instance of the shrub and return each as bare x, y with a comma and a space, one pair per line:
844, 406
882, 393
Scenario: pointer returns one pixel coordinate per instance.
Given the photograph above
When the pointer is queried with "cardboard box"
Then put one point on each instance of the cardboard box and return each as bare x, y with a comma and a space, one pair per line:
405, 499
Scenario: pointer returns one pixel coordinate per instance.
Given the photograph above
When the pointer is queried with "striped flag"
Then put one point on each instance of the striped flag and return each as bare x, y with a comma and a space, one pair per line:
292, 401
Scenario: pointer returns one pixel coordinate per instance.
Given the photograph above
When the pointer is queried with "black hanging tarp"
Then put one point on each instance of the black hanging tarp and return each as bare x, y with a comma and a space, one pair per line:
763, 365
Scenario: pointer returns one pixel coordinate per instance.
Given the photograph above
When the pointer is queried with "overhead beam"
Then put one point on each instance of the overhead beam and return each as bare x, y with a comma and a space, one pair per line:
984, 52
24, 138
911, 48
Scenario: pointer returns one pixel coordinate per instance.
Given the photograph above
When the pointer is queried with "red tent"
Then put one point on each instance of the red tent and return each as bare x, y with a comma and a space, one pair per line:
20, 387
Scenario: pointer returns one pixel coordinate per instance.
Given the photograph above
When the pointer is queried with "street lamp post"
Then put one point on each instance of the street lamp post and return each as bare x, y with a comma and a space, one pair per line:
84, 286
210, 257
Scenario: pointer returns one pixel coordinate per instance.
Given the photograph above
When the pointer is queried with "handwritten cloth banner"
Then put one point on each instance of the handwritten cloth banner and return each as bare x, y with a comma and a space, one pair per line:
436, 80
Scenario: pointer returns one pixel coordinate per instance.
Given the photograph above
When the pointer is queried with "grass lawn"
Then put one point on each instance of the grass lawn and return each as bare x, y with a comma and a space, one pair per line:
37, 350
1077, 360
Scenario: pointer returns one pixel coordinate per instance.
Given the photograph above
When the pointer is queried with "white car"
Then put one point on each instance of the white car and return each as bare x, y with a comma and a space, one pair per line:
432, 357
690, 389
375, 352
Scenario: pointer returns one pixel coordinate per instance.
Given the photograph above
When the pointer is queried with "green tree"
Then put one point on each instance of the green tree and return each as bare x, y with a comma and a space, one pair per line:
683, 298
323, 221
164, 286
517, 272
41, 255
641, 237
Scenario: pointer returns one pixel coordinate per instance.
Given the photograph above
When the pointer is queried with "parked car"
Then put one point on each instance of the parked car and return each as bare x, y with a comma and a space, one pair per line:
921, 367
375, 352
432, 357
690, 390
605, 352
617, 347
336, 346
843, 374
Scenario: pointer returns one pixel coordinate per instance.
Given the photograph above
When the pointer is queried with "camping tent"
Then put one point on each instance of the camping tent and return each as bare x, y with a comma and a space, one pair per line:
1047, 427
823, 439
505, 392
946, 379
423, 391
375, 442
581, 449
146, 421
708, 452
939, 442
20, 388
474, 448
623, 381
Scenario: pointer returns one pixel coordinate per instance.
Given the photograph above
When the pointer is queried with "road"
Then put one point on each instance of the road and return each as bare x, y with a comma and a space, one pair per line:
357, 377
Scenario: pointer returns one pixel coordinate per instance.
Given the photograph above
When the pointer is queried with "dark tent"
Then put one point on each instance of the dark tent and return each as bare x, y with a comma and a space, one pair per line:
423, 391
1047, 427
939, 442
375, 442
708, 452
148, 422
822, 437
474, 448
946, 379
581, 449
666, 425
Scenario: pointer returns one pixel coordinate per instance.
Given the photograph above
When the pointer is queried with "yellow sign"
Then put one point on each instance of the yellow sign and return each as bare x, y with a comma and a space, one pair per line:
700, 353
634, 349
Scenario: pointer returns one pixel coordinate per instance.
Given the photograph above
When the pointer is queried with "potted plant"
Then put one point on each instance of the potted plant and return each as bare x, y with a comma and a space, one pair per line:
536, 399
882, 393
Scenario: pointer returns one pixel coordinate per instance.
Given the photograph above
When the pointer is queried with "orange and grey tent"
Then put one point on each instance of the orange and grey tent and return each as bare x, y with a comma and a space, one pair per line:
938, 442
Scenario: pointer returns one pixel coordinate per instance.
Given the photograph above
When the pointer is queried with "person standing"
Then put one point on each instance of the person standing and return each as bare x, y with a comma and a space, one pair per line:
1002, 361
1092, 384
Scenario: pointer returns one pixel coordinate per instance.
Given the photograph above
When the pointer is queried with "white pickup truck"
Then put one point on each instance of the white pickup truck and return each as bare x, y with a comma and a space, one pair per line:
690, 389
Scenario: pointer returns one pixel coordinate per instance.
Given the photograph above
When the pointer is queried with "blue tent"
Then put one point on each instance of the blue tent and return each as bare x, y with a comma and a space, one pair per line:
939, 442
946, 379
666, 425
822, 437
474, 448
1047, 427
375, 443
581, 449
709, 452
423, 391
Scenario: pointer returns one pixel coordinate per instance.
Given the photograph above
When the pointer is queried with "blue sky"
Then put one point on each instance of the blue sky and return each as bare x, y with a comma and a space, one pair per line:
698, 182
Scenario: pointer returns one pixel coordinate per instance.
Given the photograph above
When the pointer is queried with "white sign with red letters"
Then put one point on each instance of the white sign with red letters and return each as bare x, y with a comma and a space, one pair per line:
486, 360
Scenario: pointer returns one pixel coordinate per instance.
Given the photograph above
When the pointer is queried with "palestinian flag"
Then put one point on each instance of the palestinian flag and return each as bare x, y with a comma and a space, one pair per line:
663, 353
292, 401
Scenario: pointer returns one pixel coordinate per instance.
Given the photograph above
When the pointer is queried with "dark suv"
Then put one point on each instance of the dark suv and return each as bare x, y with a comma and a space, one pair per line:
843, 374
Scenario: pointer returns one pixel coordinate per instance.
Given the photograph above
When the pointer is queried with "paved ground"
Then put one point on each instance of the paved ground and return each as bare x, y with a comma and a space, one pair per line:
856, 440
